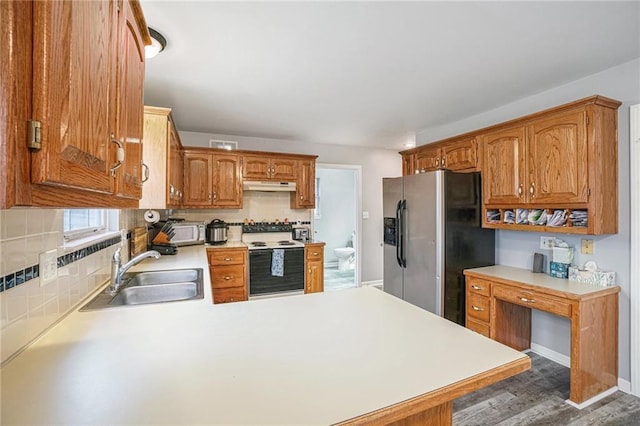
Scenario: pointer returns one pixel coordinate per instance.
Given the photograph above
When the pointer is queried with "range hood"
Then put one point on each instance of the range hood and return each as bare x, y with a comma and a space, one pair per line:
251, 185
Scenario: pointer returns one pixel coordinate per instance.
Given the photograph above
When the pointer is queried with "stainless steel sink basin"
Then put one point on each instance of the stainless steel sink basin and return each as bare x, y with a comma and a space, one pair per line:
140, 288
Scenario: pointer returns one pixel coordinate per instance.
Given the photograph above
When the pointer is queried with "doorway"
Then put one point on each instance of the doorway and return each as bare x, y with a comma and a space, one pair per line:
336, 222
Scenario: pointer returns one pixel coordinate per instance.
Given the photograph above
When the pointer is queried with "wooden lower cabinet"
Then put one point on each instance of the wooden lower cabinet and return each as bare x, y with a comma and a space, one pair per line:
314, 267
228, 270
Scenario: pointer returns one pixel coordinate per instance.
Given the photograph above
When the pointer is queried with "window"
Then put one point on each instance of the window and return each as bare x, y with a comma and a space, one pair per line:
82, 223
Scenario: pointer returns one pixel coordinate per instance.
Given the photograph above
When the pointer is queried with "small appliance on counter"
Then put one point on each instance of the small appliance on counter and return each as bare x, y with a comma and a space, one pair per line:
177, 233
301, 233
217, 232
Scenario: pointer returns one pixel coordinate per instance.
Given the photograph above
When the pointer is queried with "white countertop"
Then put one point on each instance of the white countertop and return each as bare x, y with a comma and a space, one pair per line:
525, 276
308, 359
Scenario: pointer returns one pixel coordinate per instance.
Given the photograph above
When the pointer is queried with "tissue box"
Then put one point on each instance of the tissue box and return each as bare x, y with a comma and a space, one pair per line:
563, 255
559, 270
599, 278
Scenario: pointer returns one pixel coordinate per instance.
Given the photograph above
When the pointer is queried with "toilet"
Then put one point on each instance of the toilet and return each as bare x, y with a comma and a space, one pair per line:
346, 255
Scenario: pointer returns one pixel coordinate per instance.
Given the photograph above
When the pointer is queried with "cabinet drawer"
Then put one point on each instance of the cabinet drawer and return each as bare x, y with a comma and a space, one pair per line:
229, 295
227, 276
478, 327
314, 253
478, 307
226, 257
532, 299
478, 286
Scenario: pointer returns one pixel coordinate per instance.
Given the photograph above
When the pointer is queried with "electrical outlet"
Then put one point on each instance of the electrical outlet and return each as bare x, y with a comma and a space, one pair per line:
48, 266
546, 243
587, 246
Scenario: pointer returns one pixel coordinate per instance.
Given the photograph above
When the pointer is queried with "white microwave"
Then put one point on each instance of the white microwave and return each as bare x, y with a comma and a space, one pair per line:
188, 233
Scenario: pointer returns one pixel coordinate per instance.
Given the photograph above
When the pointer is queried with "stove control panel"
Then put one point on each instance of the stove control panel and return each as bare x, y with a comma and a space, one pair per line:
266, 227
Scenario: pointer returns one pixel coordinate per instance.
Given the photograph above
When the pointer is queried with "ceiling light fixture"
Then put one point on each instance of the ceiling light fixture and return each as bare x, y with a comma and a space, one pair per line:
158, 43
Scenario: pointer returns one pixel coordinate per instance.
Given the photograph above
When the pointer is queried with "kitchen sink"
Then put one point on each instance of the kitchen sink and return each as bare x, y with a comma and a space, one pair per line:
148, 287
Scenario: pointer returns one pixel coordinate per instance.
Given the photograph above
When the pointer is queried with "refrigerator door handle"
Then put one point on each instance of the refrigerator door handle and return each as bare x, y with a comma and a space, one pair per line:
403, 211
398, 233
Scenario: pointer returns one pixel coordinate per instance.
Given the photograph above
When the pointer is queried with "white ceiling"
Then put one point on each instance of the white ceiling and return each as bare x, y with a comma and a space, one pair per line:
371, 73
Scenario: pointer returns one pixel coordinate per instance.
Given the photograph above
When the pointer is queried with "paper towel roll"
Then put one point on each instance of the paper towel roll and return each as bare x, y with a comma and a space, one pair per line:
151, 216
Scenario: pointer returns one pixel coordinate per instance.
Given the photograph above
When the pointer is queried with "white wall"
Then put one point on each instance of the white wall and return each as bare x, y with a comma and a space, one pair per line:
376, 164
337, 207
611, 251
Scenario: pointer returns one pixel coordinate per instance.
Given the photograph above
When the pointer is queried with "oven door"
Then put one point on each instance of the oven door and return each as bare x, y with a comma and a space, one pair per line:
261, 280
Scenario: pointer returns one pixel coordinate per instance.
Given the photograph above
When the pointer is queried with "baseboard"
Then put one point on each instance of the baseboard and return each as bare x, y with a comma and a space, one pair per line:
623, 385
376, 283
551, 354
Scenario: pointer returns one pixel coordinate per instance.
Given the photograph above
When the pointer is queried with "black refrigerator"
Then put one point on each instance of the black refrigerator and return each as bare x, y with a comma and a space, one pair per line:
432, 232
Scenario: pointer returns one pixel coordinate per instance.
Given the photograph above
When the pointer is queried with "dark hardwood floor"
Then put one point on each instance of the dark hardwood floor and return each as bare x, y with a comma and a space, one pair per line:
536, 397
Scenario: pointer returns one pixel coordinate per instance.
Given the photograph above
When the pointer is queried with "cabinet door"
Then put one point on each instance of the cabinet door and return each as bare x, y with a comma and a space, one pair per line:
256, 167
314, 272
227, 191
503, 167
305, 195
198, 180
558, 159
74, 68
459, 155
175, 173
408, 164
130, 109
283, 169
428, 159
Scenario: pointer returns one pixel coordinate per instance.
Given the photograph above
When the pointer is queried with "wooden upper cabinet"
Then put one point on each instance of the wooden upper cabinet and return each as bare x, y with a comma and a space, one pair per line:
212, 179
74, 91
198, 179
76, 70
305, 195
558, 166
269, 168
504, 174
408, 164
459, 155
427, 159
129, 84
163, 161
227, 181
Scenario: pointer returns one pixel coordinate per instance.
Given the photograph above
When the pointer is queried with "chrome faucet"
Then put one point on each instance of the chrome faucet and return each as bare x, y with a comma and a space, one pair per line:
118, 271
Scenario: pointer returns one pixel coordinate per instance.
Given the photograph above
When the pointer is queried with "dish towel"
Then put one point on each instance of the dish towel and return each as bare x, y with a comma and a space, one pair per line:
277, 263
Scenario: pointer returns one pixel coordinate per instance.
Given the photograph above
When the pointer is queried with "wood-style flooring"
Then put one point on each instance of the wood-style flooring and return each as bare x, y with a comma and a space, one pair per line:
537, 397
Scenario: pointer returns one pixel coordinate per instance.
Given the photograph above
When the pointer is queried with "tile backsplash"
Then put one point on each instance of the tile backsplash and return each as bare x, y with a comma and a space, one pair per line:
28, 307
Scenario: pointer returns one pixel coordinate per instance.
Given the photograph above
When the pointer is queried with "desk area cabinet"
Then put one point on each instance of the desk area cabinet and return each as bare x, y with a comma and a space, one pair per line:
499, 303
228, 270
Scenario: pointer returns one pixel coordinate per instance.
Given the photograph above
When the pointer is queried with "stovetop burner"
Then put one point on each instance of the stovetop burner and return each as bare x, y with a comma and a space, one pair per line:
259, 244
286, 243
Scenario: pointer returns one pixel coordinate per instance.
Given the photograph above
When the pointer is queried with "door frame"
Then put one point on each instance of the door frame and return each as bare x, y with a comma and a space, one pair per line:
634, 284
358, 175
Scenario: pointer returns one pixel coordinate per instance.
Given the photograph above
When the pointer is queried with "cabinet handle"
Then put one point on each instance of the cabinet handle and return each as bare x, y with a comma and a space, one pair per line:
119, 155
524, 299
227, 278
475, 287
437, 162
209, 195
532, 190
215, 196
172, 189
520, 191
475, 308
227, 259
443, 162
145, 174
301, 197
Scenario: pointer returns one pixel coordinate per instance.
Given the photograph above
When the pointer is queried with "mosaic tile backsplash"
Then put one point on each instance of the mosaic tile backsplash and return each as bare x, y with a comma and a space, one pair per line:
28, 308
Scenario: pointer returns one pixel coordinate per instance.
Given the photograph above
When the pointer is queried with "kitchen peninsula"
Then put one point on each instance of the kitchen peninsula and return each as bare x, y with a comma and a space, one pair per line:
349, 357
